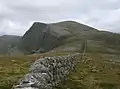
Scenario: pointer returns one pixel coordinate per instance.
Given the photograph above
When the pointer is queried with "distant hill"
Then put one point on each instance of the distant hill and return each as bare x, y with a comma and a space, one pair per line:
7, 42
67, 36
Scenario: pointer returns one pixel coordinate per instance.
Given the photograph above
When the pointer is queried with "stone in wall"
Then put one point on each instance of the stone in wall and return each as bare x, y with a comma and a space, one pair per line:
48, 72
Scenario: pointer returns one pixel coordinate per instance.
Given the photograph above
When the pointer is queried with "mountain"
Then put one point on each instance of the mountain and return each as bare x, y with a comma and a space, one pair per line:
67, 36
43, 37
7, 42
98, 69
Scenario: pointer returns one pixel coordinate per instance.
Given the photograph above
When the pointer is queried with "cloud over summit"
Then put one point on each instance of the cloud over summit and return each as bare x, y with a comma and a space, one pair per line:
16, 16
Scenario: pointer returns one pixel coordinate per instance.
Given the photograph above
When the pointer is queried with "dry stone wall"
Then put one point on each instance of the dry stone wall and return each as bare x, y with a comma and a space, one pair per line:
48, 72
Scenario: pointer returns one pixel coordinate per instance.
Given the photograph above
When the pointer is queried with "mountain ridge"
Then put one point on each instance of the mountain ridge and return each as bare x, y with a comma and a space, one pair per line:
65, 36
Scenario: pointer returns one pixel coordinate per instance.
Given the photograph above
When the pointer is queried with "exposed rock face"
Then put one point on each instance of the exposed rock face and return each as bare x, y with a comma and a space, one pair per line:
48, 72
42, 37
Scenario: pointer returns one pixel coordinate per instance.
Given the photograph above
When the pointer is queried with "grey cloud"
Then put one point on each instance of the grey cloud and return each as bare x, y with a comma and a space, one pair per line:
17, 15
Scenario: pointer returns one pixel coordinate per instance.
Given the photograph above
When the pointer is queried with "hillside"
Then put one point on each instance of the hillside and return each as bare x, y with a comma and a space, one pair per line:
62, 36
67, 36
94, 71
98, 69
42, 37
98, 41
7, 42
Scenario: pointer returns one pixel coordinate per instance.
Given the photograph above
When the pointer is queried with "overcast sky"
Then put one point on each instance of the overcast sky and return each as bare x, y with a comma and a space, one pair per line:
16, 16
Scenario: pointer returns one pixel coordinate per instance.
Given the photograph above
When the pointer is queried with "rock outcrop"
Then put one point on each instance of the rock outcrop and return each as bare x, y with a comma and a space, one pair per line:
48, 72
42, 37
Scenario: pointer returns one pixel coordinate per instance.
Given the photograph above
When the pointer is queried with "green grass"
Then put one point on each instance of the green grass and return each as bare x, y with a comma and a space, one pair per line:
12, 68
93, 72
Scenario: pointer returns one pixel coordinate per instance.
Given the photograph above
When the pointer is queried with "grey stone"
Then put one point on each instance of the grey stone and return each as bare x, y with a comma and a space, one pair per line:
48, 72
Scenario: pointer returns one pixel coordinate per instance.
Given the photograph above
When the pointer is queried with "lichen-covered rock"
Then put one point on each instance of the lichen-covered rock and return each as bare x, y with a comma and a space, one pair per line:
48, 72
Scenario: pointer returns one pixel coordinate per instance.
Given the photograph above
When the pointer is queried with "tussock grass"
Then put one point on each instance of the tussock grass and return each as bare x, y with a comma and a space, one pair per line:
93, 72
12, 68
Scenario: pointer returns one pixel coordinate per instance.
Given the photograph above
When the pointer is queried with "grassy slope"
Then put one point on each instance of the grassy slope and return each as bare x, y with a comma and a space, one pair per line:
99, 69
95, 71
98, 41
12, 68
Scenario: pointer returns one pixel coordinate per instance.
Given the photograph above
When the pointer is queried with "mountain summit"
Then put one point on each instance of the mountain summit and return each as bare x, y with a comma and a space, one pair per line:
43, 37
65, 36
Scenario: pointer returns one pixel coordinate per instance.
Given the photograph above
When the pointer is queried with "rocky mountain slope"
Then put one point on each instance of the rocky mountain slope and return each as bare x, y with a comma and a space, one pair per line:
42, 38
62, 36
67, 36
